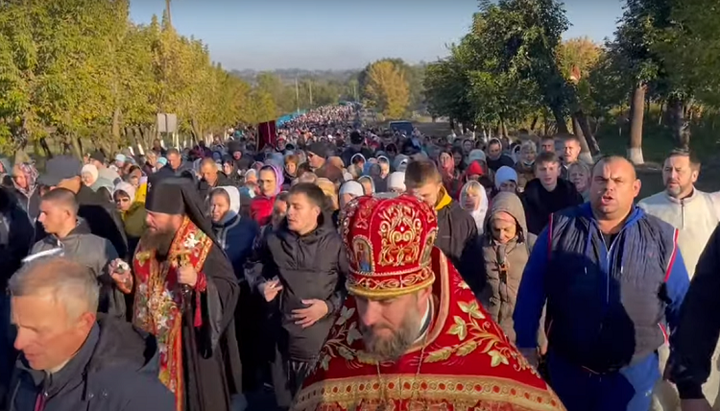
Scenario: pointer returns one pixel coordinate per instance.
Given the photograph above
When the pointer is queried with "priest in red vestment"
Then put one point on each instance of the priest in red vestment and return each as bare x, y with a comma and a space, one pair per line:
412, 336
185, 293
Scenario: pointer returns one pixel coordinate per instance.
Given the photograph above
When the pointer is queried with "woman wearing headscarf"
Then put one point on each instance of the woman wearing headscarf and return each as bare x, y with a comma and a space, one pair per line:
474, 200
270, 181
383, 167
396, 182
90, 177
251, 181
132, 213
357, 165
400, 162
348, 191
139, 181
368, 185
24, 180
525, 164
235, 234
450, 176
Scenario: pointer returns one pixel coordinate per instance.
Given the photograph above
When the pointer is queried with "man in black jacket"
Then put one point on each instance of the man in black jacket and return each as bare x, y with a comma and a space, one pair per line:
304, 265
547, 193
457, 232
71, 358
212, 177
100, 214
697, 334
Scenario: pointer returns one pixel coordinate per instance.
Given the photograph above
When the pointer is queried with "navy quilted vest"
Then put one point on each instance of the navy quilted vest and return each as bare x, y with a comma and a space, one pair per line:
605, 302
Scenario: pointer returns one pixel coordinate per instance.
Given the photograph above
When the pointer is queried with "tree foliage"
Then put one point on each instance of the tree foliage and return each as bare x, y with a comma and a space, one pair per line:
387, 89
80, 69
689, 46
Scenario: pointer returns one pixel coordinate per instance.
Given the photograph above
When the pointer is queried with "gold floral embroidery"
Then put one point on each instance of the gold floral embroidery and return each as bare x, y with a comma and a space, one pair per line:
400, 232
456, 392
340, 345
476, 332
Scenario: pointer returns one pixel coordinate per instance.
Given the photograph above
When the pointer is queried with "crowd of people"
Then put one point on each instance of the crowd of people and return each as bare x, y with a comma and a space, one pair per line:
294, 272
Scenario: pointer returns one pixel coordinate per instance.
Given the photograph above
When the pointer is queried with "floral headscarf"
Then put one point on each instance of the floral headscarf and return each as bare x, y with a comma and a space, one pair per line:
31, 175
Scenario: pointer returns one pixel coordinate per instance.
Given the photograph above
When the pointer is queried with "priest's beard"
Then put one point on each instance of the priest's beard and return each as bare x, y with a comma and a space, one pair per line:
393, 347
159, 240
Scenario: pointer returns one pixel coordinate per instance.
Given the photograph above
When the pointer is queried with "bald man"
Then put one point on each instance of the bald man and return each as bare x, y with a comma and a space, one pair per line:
612, 278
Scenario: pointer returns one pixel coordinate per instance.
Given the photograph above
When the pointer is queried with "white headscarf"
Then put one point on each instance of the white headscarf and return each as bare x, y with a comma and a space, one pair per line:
352, 187
479, 213
396, 180
126, 188
234, 195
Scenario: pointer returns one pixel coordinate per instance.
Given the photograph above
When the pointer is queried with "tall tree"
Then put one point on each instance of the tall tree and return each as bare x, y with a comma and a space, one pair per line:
387, 89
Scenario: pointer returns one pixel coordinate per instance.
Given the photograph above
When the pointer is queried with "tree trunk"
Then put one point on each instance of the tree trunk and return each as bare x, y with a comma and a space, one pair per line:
584, 124
116, 124
534, 122
680, 127
589, 144
585, 154
637, 113
560, 121
45, 148
76, 146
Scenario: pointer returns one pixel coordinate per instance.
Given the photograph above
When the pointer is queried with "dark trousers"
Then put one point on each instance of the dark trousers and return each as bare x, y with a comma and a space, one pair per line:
629, 389
288, 376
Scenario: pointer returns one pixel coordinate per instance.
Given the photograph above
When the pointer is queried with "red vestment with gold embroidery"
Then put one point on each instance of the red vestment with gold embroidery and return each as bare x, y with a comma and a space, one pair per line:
466, 363
159, 299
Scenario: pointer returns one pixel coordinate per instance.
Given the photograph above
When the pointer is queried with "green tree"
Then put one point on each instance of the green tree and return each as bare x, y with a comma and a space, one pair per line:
387, 89
81, 71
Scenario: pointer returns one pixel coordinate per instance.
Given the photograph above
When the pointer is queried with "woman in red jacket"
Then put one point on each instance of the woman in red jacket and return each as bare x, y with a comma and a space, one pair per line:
270, 181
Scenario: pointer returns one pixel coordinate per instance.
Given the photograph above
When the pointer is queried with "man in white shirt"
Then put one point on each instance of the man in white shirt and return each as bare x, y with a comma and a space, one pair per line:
695, 214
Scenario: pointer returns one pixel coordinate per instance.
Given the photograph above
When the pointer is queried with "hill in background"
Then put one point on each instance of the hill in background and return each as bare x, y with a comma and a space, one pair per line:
289, 75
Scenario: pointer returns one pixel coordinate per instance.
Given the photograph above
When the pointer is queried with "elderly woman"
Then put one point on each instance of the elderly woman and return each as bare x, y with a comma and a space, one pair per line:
525, 164
24, 181
91, 178
132, 212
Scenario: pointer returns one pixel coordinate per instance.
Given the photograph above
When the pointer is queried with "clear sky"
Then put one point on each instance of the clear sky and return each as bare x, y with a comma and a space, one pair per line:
342, 34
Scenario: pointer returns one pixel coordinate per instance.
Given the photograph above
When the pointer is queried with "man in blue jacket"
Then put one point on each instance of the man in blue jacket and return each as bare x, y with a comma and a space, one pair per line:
612, 277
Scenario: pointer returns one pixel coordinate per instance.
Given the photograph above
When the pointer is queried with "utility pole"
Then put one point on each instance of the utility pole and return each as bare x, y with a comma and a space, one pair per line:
310, 85
167, 8
297, 95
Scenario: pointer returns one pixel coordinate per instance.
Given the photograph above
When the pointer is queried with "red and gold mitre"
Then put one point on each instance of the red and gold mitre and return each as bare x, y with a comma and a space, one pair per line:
465, 363
388, 243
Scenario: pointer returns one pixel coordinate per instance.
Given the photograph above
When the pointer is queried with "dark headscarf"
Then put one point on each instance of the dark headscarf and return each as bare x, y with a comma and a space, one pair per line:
178, 195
